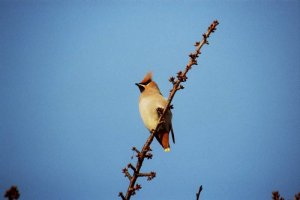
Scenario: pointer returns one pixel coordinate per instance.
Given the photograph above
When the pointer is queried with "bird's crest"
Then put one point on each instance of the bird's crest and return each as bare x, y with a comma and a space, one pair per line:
147, 79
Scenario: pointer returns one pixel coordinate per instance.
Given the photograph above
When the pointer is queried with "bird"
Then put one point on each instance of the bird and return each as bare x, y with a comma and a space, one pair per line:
150, 101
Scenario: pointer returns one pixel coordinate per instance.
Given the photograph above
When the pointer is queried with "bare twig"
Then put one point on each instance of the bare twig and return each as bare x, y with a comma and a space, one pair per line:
198, 193
122, 196
127, 174
150, 175
144, 153
297, 196
12, 193
276, 196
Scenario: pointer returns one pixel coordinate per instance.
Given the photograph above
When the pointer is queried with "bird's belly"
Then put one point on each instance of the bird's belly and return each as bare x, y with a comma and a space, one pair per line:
148, 110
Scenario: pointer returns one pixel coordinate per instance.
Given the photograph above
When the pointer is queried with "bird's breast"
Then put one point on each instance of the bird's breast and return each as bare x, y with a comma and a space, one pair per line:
148, 110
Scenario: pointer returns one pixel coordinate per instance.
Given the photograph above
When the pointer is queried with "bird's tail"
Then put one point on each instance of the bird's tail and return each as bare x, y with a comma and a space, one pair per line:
163, 139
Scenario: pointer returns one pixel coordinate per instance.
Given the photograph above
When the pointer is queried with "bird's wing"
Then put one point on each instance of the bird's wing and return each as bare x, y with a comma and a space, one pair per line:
172, 132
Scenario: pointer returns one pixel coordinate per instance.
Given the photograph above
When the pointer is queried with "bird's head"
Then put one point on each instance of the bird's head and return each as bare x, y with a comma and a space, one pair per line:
147, 84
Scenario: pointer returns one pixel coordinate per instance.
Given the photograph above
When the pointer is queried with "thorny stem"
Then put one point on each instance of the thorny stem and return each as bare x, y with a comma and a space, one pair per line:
181, 77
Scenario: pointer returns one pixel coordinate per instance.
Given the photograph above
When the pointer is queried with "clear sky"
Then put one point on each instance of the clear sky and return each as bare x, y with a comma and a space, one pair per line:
69, 107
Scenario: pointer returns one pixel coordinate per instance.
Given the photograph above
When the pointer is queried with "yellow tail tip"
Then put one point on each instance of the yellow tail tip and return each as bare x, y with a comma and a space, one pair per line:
167, 149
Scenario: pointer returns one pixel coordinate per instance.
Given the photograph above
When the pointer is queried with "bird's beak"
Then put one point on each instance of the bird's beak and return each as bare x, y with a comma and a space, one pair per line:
141, 87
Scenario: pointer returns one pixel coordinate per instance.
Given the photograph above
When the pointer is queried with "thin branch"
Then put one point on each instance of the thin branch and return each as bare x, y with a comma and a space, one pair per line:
131, 167
276, 196
122, 196
181, 77
12, 193
136, 150
125, 171
198, 193
150, 175
297, 196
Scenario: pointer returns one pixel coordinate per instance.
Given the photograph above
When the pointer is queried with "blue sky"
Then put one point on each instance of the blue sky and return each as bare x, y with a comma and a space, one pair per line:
69, 107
